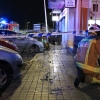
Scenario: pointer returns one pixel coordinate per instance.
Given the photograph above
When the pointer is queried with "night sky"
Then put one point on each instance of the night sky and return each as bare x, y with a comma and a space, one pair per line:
23, 11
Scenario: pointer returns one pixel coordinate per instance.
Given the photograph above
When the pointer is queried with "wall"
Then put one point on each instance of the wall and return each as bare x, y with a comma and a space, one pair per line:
71, 19
97, 14
66, 23
67, 39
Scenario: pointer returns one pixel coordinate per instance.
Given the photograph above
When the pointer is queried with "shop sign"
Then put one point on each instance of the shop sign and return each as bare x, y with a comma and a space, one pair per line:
70, 3
86, 3
56, 11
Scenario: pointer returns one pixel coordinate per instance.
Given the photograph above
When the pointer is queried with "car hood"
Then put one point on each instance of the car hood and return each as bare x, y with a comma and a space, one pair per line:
35, 40
29, 38
7, 49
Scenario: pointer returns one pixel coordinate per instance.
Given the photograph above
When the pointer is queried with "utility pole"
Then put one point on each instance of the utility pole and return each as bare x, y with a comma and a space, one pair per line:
25, 21
27, 25
45, 17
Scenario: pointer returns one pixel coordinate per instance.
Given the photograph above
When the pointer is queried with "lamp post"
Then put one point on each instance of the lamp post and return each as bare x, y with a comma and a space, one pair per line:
45, 17
27, 25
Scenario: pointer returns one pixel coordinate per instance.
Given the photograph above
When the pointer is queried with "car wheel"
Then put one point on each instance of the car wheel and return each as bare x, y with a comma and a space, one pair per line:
5, 77
34, 49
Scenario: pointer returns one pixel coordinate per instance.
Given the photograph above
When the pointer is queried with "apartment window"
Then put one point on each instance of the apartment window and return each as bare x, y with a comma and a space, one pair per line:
95, 7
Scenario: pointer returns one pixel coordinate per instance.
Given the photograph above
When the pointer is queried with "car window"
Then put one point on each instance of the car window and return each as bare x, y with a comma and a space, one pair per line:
13, 32
2, 32
10, 33
7, 32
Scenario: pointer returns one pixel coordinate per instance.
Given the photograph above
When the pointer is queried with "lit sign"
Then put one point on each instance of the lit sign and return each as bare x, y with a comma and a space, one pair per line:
70, 3
56, 11
55, 18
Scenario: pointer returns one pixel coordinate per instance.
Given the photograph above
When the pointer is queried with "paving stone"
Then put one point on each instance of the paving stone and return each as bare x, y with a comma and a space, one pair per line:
22, 97
30, 96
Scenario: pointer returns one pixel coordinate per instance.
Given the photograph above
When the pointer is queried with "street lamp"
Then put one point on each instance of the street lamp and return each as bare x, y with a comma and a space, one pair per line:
27, 25
45, 17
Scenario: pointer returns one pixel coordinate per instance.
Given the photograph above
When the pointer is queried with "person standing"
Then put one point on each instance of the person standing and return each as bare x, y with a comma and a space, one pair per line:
86, 58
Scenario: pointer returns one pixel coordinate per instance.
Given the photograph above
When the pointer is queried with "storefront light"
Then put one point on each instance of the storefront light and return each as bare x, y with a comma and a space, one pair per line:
93, 22
55, 18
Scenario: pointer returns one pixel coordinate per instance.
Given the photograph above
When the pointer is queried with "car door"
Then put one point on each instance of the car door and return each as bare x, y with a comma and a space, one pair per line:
21, 43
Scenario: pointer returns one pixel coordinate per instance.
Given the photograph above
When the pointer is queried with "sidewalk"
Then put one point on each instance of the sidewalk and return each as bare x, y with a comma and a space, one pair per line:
50, 77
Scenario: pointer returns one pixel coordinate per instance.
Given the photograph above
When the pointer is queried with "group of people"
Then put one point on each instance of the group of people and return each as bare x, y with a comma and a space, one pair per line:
87, 59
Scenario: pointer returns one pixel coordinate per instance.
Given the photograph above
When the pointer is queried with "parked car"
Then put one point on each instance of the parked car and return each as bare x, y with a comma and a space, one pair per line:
10, 66
6, 32
27, 44
8, 44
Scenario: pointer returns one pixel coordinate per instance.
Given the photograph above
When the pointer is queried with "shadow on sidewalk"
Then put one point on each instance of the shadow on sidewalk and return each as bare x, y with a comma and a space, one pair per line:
7, 93
93, 90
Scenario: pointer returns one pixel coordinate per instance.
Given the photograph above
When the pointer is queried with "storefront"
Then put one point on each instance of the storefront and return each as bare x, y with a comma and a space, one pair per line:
63, 19
62, 25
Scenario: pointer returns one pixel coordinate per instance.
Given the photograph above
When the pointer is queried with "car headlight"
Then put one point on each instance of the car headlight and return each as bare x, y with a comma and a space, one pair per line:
41, 44
19, 61
18, 57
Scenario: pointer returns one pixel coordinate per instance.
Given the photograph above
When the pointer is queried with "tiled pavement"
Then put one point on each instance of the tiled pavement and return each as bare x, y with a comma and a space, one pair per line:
50, 77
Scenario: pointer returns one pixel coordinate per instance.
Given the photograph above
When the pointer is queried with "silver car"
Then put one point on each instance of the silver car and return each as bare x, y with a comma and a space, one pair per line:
27, 44
24, 44
11, 64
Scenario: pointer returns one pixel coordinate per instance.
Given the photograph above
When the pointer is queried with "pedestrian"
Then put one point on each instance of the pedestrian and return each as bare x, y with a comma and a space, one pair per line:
86, 58
45, 42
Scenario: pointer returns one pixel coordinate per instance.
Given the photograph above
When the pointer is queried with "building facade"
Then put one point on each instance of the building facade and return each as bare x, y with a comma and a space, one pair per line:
76, 15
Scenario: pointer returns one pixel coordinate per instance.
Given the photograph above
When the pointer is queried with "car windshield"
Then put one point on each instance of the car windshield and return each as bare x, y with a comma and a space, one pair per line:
7, 32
